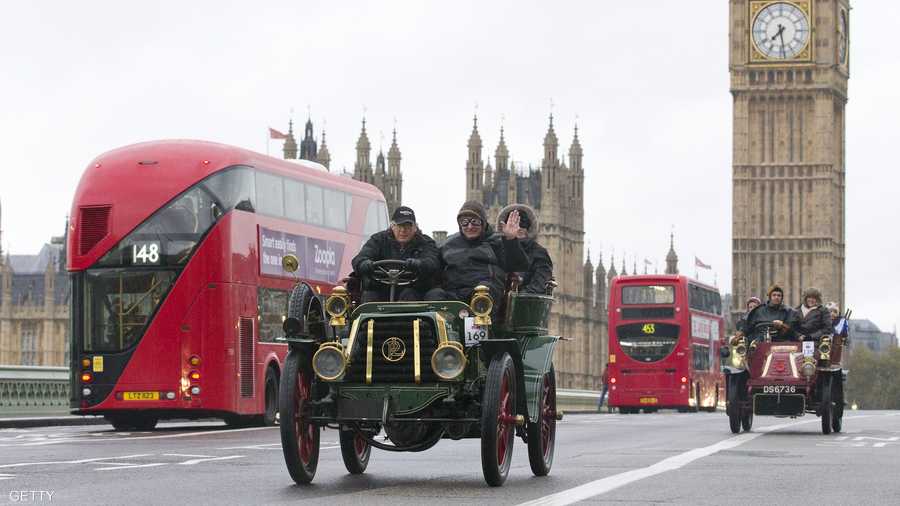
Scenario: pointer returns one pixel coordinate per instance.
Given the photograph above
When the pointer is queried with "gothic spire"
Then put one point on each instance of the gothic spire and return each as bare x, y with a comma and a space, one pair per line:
671, 257
290, 143
324, 156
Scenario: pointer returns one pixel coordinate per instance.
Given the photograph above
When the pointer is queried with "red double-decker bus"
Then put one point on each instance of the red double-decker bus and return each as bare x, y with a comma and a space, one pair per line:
664, 338
178, 293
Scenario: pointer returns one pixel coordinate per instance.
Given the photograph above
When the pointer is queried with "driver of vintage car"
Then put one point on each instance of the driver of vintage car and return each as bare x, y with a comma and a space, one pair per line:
772, 316
403, 241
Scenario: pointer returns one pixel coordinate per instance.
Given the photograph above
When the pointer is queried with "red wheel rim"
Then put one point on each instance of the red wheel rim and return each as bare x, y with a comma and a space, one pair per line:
548, 417
504, 413
306, 432
360, 445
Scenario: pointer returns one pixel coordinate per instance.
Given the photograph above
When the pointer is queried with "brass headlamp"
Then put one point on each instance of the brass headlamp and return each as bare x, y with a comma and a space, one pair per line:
329, 362
825, 348
336, 305
739, 356
482, 304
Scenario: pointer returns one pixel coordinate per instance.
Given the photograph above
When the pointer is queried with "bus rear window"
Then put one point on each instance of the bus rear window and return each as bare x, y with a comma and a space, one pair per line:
648, 294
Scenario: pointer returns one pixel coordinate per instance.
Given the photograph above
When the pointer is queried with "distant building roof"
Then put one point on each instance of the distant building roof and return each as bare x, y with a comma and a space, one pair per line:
865, 333
36, 264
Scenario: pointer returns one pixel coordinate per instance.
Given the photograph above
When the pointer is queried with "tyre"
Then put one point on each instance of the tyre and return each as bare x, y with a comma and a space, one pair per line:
837, 418
498, 412
747, 421
826, 410
127, 422
355, 451
271, 410
733, 406
299, 437
542, 433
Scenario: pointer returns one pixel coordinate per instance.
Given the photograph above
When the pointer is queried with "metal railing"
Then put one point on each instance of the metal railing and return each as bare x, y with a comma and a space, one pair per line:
33, 390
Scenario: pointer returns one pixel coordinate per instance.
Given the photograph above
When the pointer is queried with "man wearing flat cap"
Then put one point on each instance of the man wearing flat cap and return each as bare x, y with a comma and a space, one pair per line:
402, 241
783, 319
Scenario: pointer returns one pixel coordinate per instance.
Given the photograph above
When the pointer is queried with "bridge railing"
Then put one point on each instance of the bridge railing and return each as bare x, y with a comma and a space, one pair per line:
33, 390
29, 390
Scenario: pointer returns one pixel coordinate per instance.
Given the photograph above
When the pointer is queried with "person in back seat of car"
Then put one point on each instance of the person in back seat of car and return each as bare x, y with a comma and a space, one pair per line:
540, 268
477, 256
814, 320
782, 318
402, 241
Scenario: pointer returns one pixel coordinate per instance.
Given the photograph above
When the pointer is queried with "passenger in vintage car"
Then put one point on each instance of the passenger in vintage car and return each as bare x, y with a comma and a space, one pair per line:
478, 256
402, 241
781, 317
540, 269
814, 320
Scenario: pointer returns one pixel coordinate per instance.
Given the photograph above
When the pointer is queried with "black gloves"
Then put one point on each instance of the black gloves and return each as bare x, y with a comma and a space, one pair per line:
365, 268
413, 264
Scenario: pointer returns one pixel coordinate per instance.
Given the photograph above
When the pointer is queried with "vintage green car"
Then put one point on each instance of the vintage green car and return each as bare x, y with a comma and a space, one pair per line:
419, 371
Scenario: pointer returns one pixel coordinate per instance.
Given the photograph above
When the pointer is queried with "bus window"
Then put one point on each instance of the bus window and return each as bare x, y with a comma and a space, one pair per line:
382, 216
314, 212
294, 200
234, 189
648, 294
335, 209
269, 194
273, 306
372, 222
700, 357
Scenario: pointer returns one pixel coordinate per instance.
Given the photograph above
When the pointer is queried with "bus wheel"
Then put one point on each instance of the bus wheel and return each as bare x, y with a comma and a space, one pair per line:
542, 434
271, 398
498, 415
299, 437
132, 422
355, 451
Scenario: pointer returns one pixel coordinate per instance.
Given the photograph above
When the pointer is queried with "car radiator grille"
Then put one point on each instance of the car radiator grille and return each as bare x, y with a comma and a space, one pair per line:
383, 370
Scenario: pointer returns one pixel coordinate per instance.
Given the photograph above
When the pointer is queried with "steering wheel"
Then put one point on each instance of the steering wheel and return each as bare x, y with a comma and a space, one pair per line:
763, 329
393, 273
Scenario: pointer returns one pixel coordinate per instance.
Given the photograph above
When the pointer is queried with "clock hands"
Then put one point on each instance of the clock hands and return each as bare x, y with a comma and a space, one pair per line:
780, 34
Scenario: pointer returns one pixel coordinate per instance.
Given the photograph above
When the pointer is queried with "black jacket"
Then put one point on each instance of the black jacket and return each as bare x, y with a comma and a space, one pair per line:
766, 313
383, 246
482, 261
815, 324
540, 269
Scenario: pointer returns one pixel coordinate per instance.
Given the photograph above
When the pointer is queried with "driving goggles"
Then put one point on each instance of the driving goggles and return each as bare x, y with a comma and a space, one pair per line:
475, 222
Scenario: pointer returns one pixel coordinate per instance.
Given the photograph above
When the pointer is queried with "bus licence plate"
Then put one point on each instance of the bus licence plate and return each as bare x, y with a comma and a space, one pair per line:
140, 396
649, 400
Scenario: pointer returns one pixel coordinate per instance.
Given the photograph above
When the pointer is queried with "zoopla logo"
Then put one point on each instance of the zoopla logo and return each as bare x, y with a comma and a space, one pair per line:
325, 257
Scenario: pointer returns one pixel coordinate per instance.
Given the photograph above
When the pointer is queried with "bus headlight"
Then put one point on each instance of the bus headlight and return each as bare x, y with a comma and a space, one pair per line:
336, 305
329, 362
482, 304
448, 361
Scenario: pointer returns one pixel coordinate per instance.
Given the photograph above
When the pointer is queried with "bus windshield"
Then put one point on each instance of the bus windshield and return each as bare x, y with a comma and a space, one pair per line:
648, 294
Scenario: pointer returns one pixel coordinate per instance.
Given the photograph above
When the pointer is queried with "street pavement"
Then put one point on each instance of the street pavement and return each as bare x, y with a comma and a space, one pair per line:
600, 459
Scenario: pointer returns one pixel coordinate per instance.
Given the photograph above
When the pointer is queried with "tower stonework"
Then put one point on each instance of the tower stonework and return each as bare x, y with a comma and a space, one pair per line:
789, 66
555, 191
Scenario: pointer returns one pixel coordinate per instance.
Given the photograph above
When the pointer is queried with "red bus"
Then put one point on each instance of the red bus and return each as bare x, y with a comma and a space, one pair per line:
174, 251
664, 338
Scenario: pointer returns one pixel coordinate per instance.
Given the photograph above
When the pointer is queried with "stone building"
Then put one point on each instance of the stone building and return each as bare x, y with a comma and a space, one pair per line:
385, 175
865, 334
34, 307
555, 191
789, 68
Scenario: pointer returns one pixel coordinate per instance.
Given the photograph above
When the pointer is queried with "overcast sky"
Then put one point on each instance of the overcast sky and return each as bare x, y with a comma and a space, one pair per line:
647, 83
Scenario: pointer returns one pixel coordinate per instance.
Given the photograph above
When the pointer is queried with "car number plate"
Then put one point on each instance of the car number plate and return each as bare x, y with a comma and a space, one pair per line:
474, 333
140, 396
649, 400
779, 389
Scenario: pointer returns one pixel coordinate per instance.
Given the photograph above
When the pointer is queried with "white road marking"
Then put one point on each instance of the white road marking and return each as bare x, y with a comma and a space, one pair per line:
604, 485
187, 455
164, 436
6, 476
80, 461
197, 461
126, 466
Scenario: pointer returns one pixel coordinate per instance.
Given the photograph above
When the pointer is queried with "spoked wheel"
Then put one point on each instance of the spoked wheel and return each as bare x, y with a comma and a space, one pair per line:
837, 418
498, 418
827, 407
299, 437
733, 408
542, 434
355, 451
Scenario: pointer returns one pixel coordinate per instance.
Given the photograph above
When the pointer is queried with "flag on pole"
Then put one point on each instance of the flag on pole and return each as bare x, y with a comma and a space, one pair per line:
699, 264
647, 262
275, 134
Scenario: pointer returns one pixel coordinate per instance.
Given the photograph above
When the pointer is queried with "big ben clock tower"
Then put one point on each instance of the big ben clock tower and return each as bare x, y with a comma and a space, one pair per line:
789, 65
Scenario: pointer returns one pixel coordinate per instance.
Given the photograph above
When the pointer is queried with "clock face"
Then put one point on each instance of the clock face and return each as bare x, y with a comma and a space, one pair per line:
780, 31
842, 39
